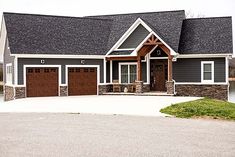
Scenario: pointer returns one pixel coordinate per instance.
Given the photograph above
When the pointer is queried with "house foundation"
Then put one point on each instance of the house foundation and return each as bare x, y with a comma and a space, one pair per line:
212, 91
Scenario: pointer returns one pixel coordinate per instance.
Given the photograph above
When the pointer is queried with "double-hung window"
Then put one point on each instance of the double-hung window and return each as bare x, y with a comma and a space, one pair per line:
207, 71
9, 73
127, 73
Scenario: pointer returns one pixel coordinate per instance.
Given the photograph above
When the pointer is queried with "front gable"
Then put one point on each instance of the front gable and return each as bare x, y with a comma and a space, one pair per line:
134, 38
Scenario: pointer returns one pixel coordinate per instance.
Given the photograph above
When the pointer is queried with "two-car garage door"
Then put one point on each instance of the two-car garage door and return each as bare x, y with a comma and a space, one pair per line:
45, 81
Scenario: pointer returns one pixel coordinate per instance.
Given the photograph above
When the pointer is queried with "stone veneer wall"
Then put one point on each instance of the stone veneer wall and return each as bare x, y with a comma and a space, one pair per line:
20, 92
146, 87
63, 90
211, 91
8, 93
170, 87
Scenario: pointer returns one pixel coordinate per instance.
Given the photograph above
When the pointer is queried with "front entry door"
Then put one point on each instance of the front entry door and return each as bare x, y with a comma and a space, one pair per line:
158, 75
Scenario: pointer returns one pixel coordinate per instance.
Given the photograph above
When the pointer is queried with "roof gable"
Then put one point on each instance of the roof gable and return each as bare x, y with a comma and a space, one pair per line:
168, 25
206, 35
135, 38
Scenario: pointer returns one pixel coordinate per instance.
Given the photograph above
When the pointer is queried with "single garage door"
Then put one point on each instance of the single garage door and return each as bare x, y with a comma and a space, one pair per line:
42, 82
82, 81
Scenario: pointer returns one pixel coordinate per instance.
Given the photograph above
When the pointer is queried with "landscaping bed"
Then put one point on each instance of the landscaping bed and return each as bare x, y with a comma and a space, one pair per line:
202, 108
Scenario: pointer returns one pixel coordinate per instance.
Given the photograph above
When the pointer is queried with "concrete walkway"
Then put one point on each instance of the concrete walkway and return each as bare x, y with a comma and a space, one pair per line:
127, 105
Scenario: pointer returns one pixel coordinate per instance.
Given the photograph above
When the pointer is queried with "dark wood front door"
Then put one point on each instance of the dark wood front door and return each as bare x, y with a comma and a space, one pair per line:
82, 81
158, 75
41, 82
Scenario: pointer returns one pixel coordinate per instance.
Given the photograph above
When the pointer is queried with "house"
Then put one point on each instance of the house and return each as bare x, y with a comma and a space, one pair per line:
141, 52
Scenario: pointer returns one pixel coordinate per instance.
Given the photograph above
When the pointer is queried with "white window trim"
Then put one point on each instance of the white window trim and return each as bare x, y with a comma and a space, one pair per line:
9, 78
202, 72
126, 63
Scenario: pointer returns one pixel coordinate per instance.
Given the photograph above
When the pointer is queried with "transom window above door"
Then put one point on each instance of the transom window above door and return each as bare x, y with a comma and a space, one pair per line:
127, 72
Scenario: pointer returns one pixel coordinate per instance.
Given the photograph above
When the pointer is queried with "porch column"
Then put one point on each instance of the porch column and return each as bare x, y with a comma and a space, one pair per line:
139, 71
139, 82
170, 68
170, 83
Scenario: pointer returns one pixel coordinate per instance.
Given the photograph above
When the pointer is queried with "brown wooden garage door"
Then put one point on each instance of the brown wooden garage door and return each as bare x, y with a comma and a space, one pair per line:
42, 82
82, 81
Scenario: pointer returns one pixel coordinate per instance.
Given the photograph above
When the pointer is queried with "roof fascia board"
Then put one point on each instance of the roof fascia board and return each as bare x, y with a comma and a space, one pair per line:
128, 33
58, 56
202, 55
3, 37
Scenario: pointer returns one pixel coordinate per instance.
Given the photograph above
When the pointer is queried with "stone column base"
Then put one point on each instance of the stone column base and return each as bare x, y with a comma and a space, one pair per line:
8, 93
20, 92
170, 87
139, 87
63, 90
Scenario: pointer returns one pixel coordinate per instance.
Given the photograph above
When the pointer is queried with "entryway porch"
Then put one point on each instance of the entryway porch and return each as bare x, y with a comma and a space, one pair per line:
148, 73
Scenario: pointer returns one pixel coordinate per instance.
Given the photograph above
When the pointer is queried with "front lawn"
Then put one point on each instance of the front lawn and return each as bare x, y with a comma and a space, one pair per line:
206, 107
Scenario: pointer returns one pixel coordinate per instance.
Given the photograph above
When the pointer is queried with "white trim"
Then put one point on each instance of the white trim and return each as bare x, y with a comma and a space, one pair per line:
16, 71
3, 38
212, 72
84, 66
41, 66
226, 69
111, 71
124, 49
202, 55
119, 70
200, 83
127, 33
58, 56
104, 72
9, 76
134, 53
172, 52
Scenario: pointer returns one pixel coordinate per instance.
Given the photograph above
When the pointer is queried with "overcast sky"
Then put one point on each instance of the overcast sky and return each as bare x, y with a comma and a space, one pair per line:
208, 8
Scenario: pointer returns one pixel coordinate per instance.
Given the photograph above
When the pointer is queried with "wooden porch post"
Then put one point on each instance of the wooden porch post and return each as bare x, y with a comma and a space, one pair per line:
170, 68
139, 71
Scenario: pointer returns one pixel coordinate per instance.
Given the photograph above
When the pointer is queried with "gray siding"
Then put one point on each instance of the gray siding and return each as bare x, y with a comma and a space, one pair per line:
135, 38
8, 59
189, 70
108, 71
57, 61
116, 70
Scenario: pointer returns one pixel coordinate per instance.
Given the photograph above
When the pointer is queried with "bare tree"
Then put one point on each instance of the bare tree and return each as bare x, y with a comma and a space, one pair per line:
191, 14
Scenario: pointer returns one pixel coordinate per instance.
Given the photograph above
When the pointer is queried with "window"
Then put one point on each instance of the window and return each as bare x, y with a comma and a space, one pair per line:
207, 71
9, 73
127, 72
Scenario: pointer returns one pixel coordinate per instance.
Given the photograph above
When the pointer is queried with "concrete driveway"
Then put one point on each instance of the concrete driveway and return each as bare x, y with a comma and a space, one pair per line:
128, 105
87, 135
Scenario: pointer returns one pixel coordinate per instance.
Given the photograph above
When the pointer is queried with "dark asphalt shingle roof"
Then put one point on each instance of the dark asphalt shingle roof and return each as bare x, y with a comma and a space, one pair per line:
95, 35
206, 35
167, 23
42, 34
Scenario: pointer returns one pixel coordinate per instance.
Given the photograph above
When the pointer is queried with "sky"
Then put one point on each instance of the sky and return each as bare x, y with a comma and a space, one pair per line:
205, 8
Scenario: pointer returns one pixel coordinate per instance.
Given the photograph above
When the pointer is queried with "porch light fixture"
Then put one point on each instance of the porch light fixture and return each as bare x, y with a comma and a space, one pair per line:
83, 61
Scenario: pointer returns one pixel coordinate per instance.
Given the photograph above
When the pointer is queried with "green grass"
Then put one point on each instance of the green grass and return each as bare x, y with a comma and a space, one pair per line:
206, 107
